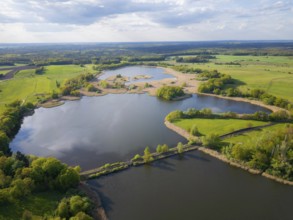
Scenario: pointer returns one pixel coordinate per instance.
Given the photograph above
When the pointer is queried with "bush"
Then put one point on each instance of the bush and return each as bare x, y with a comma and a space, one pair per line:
104, 84
194, 131
173, 116
170, 92
212, 141
91, 88
180, 147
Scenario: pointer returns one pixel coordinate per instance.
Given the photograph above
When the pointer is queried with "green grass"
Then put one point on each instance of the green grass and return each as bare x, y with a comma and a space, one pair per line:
270, 73
26, 85
217, 126
253, 135
39, 204
3, 72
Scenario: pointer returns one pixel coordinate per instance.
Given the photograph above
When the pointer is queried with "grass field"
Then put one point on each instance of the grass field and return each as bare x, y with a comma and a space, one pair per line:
3, 72
26, 85
38, 204
254, 135
217, 126
274, 74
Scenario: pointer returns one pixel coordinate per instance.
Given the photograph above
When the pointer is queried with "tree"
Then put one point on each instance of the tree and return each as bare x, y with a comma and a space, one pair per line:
4, 144
180, 147
165, 148
68, 178
79, 204
147, 151
104, 84
212, 141
147, 157
81, 216
159, 148
27, 215
174, 115
63, 209
194, 130
170, 92
136, 157
91, 88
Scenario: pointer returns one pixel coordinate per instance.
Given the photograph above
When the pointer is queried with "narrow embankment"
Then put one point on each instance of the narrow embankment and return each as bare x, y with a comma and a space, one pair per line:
120, 166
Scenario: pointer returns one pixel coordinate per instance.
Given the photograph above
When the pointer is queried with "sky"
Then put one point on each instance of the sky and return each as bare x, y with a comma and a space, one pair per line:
37, 21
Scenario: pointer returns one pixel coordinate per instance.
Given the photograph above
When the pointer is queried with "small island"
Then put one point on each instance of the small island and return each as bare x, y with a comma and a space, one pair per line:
172, 93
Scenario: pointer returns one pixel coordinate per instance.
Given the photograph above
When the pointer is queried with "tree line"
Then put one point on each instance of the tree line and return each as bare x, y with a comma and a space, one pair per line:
278, 116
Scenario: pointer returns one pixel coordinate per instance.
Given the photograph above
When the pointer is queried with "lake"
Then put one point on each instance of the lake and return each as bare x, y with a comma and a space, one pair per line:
97, 130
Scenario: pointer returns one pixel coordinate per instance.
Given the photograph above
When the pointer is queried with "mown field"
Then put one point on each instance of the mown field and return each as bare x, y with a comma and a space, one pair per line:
217, 126
26, 85
273, 74
254, 135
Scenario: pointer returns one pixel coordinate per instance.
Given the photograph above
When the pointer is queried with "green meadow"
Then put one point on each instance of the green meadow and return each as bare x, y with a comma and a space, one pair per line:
273, 74
28, 86
217, 126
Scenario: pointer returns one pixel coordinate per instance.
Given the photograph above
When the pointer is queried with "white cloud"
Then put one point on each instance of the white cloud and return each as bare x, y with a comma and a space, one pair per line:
141, 20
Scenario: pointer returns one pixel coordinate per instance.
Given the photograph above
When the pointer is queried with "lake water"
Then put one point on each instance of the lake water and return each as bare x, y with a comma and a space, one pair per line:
132, 71
96, 130
196, 186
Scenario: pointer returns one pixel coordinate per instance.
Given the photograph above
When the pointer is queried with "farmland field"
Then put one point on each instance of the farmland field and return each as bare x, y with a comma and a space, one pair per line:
26, 85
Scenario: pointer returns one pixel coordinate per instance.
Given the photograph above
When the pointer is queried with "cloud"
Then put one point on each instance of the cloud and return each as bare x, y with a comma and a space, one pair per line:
108, 20
72, 11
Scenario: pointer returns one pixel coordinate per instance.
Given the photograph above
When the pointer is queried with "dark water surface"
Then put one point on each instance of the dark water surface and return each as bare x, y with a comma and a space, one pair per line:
96, 130
196, 186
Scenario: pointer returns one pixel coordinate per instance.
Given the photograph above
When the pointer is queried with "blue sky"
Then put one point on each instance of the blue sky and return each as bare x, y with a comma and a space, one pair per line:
144, 20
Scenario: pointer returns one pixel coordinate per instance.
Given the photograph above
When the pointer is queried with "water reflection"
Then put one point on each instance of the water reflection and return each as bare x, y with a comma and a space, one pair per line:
97, 130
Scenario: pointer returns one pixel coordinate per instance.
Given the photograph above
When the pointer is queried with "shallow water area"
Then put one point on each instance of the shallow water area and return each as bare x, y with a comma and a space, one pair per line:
154, 73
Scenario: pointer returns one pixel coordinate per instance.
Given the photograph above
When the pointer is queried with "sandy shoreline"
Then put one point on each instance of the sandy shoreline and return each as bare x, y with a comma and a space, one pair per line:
188, 80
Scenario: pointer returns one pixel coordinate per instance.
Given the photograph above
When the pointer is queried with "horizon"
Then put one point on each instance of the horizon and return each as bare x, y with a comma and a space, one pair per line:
153, 42
91, 21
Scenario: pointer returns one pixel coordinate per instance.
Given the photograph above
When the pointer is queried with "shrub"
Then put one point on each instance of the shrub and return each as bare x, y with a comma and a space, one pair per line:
212, 141
170, 92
